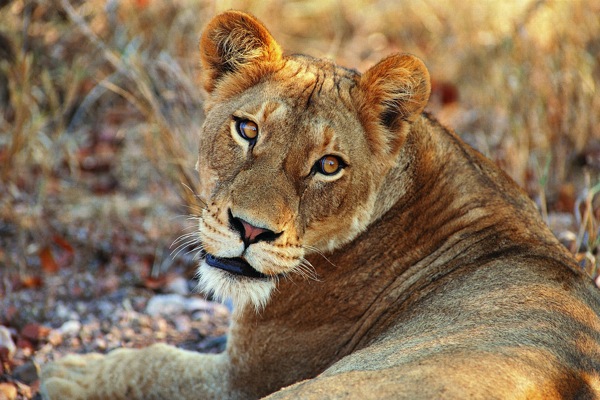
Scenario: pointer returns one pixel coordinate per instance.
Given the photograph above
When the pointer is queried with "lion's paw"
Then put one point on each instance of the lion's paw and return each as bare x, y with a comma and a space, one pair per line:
72, 377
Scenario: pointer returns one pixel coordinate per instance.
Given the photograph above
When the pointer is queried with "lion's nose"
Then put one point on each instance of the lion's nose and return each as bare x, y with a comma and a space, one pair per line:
249, 233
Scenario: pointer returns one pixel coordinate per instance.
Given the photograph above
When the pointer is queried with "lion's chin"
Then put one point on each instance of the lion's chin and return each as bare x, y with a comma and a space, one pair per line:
240, 289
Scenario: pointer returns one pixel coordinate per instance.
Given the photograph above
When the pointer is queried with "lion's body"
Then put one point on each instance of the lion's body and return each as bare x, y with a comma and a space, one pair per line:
435, 276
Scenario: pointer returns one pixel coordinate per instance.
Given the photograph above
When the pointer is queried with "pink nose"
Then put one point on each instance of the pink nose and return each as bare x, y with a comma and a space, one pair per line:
251, 231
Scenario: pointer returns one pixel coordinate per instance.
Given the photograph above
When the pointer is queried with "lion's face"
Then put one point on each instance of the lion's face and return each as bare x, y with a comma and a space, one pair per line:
282, 175
291, 158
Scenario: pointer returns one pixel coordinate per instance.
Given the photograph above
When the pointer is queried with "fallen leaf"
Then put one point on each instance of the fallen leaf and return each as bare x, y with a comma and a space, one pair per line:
566, 198
25, 344
155, 283
47, 260
65, 257
63, 244
5, 356
31, 281
142, 3
444, 92
35, 332
8, 391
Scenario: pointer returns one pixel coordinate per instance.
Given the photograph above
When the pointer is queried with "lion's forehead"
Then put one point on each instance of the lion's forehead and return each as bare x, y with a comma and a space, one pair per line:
314, 84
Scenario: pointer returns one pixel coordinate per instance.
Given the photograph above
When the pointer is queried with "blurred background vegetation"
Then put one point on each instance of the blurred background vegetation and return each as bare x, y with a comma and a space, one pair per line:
100, 107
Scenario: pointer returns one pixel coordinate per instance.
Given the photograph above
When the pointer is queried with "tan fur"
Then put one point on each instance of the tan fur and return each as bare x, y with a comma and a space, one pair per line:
420, 270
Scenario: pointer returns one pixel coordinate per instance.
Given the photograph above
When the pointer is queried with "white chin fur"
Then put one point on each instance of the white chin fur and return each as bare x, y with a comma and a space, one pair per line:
241, 290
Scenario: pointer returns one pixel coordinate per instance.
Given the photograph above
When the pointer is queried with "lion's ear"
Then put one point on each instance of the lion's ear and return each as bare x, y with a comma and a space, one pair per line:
394, 93
233, 41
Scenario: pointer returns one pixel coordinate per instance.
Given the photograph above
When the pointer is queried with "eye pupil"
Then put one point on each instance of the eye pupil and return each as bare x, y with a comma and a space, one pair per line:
247, 129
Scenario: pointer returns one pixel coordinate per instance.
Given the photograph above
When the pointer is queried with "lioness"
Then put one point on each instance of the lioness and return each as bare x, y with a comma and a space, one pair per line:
369, 251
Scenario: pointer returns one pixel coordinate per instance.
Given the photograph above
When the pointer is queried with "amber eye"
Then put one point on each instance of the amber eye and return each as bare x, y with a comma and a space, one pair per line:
247, 129
329, 165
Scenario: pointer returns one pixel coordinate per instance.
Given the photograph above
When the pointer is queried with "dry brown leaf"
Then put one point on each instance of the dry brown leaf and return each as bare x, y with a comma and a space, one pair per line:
63, 244
47, 261
158, 282
8, 391
566, 198
66, 255
35, 332
31, 281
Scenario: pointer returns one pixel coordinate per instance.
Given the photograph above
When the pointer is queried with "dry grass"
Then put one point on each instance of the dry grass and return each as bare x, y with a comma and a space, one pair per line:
99, 106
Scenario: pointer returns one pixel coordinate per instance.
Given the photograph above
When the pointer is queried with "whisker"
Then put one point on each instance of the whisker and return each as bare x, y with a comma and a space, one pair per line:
188, 228
199, 254
305, 270
193, 210
184, 236
182, 242
197, 251
201, 203
181, 247
308, 271
319, 252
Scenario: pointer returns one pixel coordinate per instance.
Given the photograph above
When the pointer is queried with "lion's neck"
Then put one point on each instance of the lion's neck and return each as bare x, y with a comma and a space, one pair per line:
428, 155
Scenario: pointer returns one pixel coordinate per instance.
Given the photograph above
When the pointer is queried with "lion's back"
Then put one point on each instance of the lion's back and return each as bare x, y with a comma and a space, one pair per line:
534, 337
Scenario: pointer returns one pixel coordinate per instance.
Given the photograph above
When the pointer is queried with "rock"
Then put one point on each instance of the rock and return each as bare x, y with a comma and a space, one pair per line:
7, 342
171, 304
70, 328
25, 346
27, 373
182, 323
197, 304
561, 222
166, 304
178, 285
100, 344
64, 312
106, 308
55, 337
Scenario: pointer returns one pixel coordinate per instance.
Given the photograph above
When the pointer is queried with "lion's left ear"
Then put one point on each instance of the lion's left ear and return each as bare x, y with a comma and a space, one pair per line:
234, 41
394, 93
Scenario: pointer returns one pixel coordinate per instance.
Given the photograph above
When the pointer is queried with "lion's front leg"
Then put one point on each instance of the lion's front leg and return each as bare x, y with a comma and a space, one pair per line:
156, 372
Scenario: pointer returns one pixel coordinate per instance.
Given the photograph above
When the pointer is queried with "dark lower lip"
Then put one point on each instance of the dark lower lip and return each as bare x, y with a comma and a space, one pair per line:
236, 266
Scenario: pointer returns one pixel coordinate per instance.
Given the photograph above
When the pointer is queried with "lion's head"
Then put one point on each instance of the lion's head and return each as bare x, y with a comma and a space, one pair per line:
293, 154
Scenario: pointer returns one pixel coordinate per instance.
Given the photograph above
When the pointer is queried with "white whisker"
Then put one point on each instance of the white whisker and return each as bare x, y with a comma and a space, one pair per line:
201, 204
307, 271
183, 237
181, 247
319, 252
184, 240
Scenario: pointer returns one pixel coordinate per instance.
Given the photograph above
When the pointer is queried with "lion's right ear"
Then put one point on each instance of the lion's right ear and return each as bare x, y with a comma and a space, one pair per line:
234, 41
393, 94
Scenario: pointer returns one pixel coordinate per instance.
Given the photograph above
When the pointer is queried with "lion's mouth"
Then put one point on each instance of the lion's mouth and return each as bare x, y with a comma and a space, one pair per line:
236, 266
